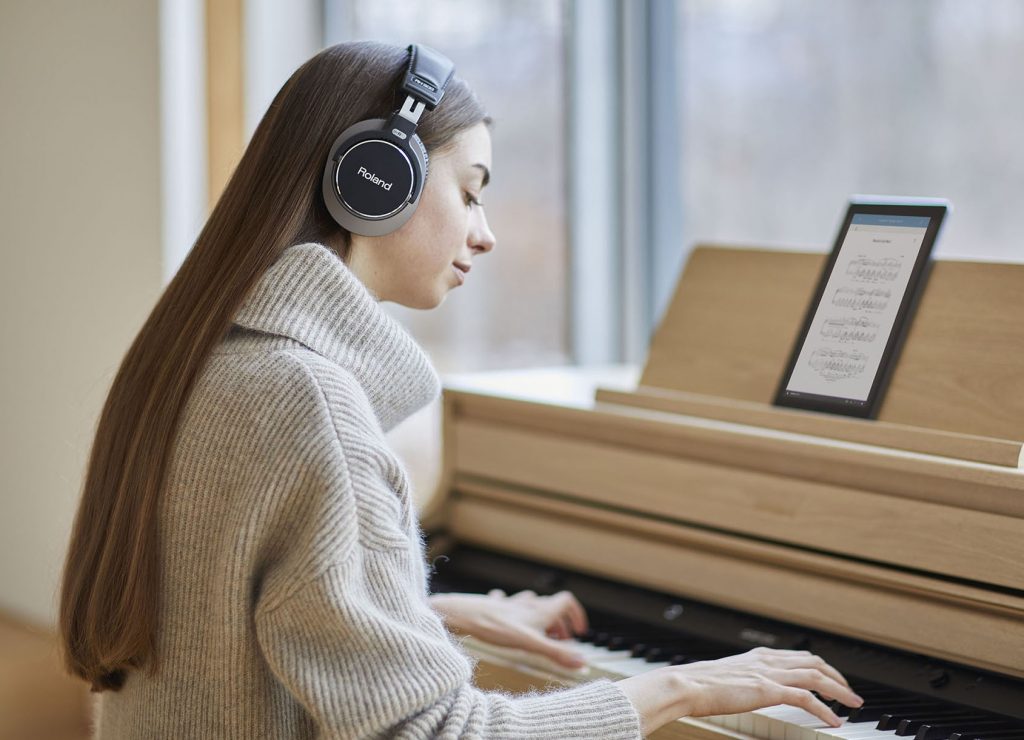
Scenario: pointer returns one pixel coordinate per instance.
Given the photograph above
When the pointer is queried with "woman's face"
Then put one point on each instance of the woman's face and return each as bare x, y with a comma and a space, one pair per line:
415, 265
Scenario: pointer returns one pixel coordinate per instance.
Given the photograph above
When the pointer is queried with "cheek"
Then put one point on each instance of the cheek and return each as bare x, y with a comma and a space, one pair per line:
440, 233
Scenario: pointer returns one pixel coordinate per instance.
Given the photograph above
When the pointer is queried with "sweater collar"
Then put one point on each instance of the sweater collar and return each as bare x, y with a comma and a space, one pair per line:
313, 297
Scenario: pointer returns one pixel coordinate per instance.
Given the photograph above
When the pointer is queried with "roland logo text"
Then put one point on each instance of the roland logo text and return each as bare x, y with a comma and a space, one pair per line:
373, 178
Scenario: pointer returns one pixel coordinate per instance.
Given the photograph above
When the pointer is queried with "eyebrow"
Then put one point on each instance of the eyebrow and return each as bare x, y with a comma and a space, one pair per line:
487, 174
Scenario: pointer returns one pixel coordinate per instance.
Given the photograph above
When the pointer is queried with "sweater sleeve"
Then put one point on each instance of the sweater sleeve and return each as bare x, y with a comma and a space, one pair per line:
363, 668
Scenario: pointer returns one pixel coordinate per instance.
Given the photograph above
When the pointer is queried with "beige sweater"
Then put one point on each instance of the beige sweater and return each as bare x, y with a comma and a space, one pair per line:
294, 600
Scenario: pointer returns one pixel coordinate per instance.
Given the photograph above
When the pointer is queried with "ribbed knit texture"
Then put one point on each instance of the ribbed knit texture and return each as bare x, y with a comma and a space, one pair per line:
294, 594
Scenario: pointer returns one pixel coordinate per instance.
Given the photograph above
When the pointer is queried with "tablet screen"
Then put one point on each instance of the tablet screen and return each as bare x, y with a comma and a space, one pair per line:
844, 349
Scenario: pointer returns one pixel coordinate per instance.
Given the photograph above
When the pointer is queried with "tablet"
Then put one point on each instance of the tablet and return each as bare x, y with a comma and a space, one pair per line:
846, 350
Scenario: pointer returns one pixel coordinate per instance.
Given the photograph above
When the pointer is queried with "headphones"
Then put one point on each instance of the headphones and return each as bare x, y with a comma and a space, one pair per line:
377, 167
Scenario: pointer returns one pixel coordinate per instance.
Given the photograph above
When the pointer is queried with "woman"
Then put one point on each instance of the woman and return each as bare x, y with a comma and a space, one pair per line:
246, 560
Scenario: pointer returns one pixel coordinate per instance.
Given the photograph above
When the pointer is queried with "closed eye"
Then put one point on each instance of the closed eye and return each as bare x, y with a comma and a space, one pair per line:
470, 200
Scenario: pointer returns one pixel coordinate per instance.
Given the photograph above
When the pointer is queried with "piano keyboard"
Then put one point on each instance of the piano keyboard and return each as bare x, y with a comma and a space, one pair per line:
905, 695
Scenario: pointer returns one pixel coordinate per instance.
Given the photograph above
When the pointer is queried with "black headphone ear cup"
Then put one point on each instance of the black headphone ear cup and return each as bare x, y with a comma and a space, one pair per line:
338, 199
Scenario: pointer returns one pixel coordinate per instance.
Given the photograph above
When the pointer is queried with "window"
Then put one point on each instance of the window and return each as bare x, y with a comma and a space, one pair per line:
789, 106
512, 310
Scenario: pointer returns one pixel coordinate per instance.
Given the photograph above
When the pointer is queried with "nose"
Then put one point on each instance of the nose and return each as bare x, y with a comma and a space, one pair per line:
480, 238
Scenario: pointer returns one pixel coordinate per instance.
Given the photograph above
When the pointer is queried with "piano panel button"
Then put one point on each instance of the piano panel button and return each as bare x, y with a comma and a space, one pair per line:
938, 678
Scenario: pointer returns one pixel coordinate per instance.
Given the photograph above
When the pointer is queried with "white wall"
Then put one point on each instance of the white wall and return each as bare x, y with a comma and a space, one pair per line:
80, 241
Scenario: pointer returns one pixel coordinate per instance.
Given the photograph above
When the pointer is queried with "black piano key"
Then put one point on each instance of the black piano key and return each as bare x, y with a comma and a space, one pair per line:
942, 730
910, 725
838, 708
655, 654
873, 711
1015, 734
892, 720
871, 694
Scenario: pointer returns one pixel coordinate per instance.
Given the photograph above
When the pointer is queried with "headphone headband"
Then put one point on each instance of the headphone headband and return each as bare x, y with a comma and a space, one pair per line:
427, 75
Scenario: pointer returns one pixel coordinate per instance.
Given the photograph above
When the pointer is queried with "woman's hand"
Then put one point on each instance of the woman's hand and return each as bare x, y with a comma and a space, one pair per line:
762, 677
523, 620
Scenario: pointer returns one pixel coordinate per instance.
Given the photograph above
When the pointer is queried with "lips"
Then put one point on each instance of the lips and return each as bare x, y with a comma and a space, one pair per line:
461, 268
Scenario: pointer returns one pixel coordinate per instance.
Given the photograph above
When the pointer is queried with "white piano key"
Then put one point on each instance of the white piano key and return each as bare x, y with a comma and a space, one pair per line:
728, 721
765, 724
745, 723
855, 731
609, 656
797, 724
627, 667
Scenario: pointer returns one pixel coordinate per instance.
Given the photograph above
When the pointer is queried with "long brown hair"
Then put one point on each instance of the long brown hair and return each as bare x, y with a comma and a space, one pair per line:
109, 599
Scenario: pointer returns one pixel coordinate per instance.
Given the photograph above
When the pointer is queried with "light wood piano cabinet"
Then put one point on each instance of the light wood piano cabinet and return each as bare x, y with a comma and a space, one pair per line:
904, 533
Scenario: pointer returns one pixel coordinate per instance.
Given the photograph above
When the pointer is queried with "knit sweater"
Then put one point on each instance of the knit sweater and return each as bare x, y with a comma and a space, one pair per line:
293, 600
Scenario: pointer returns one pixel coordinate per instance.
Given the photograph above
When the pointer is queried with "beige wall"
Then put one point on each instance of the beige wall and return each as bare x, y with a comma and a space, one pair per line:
81, 257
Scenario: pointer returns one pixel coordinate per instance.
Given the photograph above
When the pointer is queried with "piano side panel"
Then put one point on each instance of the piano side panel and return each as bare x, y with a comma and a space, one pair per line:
700, 565
980, 546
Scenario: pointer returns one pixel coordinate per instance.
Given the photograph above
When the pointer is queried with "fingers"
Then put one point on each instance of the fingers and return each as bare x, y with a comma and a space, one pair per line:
804, 659
496, 592
814, 679
567, 615
807, 701
554, 650
577, 615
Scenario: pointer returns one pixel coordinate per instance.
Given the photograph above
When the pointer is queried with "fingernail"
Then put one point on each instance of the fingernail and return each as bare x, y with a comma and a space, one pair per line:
836, 721
859, 699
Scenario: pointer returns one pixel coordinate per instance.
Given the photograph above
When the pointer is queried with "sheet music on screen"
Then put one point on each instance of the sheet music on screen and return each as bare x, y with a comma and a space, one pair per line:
855, 317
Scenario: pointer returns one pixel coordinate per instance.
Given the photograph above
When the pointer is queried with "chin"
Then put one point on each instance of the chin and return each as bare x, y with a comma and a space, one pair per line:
425, 302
